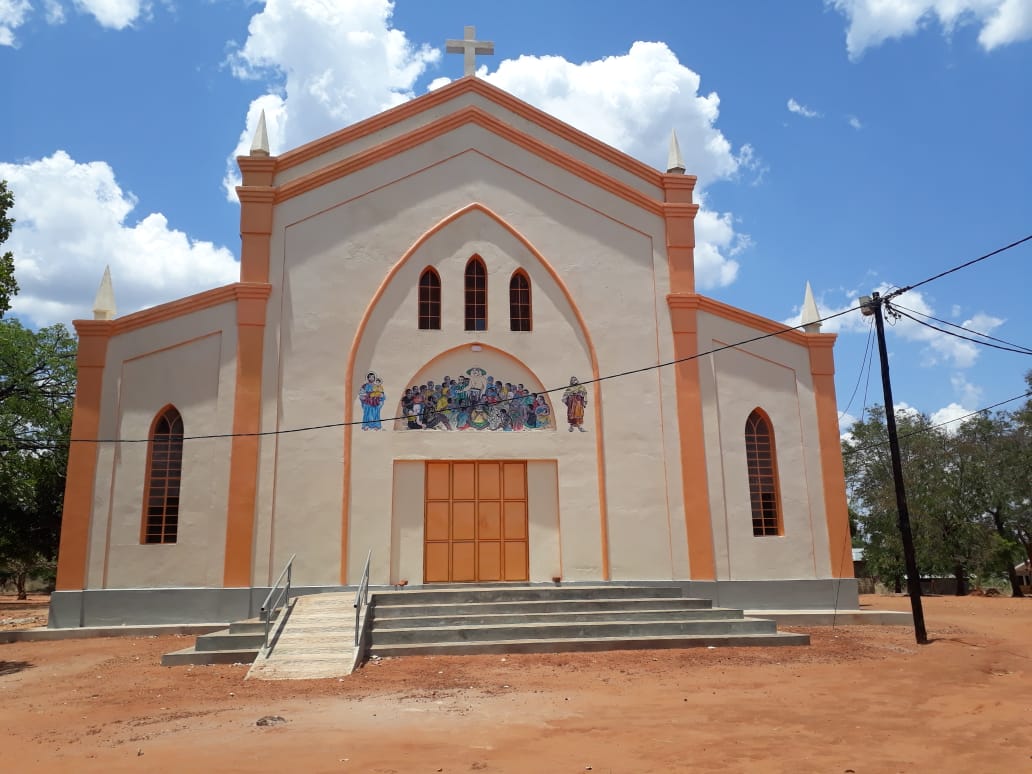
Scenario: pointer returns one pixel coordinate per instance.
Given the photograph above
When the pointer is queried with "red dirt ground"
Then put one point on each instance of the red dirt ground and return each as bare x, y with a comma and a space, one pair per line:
860, 699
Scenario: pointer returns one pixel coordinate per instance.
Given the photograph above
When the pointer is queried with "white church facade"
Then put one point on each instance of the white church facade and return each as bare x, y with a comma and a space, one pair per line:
422, 358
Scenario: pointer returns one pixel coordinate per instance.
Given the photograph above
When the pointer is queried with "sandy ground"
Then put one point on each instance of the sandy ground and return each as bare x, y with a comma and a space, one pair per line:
859, 699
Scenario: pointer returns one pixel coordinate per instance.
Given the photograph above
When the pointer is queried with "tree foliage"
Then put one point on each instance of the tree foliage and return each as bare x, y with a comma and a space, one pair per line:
968, 494
8, 285
37, 390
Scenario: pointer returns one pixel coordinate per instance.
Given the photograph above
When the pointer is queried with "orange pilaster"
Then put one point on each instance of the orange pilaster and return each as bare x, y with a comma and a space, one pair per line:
247, 403
679, 214
82, 454
684, 320
822, 367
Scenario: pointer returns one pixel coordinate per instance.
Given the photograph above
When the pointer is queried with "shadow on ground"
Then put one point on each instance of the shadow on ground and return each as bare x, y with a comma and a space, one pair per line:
13, 667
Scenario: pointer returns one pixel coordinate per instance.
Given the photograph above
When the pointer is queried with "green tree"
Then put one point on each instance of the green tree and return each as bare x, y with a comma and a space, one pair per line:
37, 390
8, 285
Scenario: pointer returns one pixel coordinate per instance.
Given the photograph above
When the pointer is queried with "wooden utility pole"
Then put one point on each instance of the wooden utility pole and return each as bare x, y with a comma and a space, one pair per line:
869, 307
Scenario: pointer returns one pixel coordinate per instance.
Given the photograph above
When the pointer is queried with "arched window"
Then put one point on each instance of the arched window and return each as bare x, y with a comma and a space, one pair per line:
519, 302
763, 475
164, 471
476, 295
429, 300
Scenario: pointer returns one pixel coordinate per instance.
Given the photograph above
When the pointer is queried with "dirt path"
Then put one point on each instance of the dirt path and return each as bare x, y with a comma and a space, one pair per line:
861, 699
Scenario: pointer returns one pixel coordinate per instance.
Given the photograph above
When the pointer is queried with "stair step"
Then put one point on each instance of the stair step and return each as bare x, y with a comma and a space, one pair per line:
424, 596
226, 639
250, 626
592, 644
193, 656
563, 630
431, 618
541, 606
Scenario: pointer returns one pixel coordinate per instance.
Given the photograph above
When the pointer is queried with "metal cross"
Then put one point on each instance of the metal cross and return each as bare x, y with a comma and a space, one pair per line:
469, 47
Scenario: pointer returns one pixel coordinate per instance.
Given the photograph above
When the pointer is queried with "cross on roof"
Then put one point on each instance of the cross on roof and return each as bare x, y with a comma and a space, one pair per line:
469, 47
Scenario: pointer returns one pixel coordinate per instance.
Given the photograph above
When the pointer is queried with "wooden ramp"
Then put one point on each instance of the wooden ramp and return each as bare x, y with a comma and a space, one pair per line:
318, 641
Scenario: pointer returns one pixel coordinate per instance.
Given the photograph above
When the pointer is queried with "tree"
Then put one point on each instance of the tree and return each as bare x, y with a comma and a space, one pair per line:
8, 285
37, 390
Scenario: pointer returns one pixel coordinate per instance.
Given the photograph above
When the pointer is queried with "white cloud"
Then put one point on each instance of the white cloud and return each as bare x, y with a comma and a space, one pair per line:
968, 392
73, 219
331, 64
855, 123
801, 110
54, 11
872, 22
950, 414
12, 15
114, 14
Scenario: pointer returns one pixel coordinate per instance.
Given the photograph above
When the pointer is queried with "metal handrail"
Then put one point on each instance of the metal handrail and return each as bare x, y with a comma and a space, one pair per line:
361, 598
284, 595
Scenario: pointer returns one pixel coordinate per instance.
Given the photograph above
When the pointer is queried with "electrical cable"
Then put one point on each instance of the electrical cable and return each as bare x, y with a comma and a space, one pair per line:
1018, 347
864, 363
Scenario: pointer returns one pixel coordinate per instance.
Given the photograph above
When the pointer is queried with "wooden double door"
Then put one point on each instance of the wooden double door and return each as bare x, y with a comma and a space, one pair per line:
475, 521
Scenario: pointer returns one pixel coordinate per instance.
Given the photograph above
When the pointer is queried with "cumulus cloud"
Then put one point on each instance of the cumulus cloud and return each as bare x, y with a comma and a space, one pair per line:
113, 14
13, 14
872, 22
801, 110
855, 122
73, 219
949, 417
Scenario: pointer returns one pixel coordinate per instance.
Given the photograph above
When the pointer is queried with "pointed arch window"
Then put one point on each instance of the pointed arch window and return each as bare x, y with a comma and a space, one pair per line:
429, 300
763, 475
164, 472
476, 295
519, 302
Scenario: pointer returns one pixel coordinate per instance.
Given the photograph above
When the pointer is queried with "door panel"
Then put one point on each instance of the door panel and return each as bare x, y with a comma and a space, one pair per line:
475, 521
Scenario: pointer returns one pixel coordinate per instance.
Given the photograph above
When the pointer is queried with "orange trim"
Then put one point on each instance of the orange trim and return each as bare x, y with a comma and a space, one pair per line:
694, 482
491, 93
255, 232
680, 243
449, 123
349, 409
836, 512
243, 464
82, 457
693, 301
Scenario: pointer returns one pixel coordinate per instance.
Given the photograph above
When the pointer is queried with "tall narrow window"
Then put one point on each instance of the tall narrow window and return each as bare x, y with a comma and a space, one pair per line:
519, 302
429, 300
476, 295
763, 476
164, 471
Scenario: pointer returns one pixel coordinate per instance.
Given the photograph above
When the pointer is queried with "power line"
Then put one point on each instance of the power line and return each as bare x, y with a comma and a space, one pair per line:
898, 307
964, 265
957, 335
865, 363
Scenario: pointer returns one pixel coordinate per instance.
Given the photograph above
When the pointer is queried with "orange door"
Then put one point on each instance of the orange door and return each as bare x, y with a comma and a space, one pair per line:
475, 525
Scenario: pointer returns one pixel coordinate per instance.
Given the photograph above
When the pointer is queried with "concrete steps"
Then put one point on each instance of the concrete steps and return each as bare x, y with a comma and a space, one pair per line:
543, 619
239, 644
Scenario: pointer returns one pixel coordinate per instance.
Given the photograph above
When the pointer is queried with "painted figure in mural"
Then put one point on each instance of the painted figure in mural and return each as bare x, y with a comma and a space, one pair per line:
477, 383
576, 399
372, 397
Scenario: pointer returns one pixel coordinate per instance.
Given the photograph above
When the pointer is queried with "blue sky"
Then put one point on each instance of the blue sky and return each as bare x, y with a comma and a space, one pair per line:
853, 144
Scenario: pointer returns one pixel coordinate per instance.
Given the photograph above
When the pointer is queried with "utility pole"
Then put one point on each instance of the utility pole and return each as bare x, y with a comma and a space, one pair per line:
873, 306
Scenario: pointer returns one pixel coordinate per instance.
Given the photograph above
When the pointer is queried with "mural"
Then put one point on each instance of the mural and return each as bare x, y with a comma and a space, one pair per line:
576, 399
371, 396
475, 400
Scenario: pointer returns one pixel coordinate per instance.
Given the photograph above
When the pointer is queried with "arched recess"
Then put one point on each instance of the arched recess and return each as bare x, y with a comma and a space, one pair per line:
762, 462
516, 372
356, 342
164, 471
521, 309
475, 296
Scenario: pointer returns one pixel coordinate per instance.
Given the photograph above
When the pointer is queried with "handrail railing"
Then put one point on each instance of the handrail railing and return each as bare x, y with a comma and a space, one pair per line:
281, 598
361, 598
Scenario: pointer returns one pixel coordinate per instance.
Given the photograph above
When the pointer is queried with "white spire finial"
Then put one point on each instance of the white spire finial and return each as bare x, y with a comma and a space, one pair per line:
260, 144
104, 303
810, 317
675, 162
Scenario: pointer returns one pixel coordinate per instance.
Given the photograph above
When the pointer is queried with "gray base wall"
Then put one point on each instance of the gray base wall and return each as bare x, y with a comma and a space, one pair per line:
135, 607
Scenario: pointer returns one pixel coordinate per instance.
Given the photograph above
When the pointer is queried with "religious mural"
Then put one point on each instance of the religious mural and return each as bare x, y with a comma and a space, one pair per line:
372, 397
475, 400
576, 399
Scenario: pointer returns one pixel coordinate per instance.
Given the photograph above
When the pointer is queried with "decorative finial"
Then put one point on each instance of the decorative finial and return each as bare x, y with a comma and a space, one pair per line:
810, 317
469, 47
104, 303
675, 162
260, 144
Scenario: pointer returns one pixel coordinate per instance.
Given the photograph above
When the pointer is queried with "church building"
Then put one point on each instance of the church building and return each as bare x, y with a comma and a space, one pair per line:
467, 339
